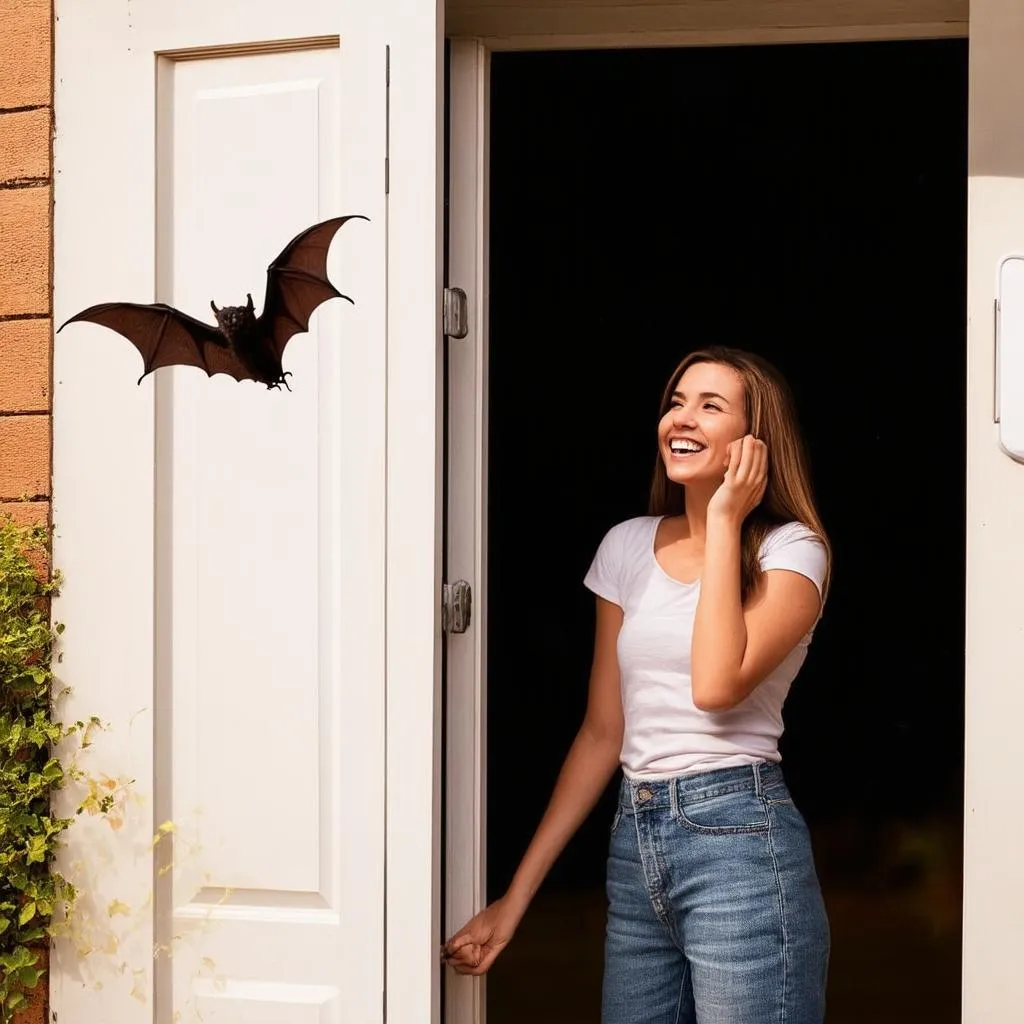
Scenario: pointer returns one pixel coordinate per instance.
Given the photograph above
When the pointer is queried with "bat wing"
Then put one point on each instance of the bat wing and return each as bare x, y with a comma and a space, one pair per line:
166, 337
297, 282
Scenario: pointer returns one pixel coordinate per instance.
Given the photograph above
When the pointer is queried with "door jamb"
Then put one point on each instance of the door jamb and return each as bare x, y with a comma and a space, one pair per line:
465, 861
465, 797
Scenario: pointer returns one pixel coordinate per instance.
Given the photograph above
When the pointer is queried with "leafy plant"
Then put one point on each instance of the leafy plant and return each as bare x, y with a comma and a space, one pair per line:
31, 892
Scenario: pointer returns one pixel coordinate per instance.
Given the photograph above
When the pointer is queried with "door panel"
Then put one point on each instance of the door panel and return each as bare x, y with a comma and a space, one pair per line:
254, 496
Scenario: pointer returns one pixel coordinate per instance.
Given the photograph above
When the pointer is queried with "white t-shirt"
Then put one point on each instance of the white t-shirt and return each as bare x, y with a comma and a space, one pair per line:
665, 732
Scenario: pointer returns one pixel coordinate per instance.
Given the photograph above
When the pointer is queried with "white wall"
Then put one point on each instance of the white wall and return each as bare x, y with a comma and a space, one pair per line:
994, 891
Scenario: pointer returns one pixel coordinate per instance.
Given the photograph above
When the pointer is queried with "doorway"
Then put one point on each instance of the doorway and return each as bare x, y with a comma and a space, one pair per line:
809, 203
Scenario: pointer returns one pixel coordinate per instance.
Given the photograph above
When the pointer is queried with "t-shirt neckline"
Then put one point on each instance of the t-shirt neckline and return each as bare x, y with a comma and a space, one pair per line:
686, 584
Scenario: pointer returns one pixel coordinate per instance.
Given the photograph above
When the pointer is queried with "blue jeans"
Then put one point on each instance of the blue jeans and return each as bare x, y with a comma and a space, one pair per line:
715, 913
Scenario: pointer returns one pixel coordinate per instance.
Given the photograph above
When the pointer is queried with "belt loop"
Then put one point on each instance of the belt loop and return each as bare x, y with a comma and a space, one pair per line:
673, 796
757, 779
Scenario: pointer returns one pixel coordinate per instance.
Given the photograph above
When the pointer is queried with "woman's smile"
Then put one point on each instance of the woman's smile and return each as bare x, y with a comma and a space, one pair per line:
685, 447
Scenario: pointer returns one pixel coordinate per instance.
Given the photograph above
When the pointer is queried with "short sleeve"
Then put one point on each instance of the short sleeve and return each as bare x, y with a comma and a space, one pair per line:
799, 549
604, 577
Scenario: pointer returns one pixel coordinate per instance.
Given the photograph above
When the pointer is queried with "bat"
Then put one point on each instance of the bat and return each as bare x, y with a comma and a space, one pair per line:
242, 345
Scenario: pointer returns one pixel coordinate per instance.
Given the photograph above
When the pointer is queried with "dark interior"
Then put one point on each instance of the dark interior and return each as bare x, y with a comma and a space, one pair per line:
808, 203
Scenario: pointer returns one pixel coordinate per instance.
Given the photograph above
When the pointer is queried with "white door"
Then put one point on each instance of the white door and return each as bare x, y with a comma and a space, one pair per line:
224, 545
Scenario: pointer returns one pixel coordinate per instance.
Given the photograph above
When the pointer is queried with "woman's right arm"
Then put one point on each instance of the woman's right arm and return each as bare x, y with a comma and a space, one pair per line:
588, 767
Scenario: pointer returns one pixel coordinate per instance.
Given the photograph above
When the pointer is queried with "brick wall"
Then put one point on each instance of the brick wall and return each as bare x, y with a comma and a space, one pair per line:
26, 120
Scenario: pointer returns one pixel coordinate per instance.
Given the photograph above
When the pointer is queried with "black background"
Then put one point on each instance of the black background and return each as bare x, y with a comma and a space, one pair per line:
804, 202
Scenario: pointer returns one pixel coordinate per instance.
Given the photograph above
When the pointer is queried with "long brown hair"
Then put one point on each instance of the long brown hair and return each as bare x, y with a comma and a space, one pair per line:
771, 416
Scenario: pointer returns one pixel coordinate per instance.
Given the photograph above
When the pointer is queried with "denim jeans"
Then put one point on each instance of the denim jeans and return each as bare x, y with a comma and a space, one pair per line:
715, 913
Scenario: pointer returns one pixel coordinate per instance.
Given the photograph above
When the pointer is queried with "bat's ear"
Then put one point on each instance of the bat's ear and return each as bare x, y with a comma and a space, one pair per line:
214, 307
249, 297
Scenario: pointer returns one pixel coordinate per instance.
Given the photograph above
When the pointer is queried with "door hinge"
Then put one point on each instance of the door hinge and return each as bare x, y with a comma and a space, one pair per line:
456, 313
456, 606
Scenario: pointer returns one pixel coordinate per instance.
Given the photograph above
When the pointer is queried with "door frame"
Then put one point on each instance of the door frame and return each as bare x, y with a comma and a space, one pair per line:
465, 856
466, 669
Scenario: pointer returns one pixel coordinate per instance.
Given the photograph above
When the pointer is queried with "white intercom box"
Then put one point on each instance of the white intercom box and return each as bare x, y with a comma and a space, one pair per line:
1009, 369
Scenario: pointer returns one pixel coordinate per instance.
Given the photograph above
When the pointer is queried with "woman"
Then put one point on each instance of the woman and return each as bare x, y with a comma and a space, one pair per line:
705, 610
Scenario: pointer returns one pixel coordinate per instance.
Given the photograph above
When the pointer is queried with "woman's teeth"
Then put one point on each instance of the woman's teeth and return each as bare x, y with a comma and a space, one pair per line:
685, 447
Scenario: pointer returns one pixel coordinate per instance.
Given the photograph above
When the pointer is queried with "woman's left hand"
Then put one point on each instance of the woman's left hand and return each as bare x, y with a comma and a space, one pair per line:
746, 477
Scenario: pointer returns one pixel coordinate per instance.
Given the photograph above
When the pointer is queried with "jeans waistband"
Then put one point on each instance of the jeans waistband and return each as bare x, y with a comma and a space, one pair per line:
653, 794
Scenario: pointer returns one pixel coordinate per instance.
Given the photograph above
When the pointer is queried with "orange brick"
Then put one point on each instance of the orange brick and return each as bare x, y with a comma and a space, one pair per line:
25, 365
24, 456
25, 145
26, 513
25, 251
25, 77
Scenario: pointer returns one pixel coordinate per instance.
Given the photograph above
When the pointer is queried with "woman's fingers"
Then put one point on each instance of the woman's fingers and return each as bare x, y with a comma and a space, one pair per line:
746, 458
457, 942
480, 964
471, 960
465, 953
735, 456
752, 449
470, 954
752, 472
760, 453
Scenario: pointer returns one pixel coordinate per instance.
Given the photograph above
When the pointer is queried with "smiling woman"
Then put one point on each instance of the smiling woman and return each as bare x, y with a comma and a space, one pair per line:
705, 611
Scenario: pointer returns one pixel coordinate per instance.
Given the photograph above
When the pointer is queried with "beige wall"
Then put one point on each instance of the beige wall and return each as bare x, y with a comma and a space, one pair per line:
994, 900
26, 115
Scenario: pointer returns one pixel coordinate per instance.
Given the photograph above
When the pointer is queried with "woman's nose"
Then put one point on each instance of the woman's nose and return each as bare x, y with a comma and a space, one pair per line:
682, 417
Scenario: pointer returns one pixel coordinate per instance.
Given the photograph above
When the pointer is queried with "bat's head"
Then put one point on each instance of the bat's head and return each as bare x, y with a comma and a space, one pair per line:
232, 319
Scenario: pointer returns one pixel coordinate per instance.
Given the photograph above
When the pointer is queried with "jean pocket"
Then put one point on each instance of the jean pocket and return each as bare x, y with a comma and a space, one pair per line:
724, 813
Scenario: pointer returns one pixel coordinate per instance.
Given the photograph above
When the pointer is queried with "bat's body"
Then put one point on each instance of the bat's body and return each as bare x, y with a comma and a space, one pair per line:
246, 339
242, 345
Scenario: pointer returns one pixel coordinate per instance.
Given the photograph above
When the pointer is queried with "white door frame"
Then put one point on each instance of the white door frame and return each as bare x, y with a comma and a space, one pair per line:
466, 797
468, 254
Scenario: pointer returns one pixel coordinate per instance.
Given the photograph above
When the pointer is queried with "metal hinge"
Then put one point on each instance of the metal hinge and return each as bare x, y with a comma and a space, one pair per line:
456, 313
456, 606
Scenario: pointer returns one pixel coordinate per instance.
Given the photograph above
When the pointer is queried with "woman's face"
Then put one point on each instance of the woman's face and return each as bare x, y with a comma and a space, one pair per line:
706, 414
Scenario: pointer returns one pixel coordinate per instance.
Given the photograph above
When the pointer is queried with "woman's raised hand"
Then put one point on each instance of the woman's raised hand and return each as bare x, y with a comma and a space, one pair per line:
746, 477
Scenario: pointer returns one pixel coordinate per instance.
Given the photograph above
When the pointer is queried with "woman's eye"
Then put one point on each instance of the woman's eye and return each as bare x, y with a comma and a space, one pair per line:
711, 405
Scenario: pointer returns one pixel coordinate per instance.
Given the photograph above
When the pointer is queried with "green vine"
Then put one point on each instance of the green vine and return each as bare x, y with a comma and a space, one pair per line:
32, 893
